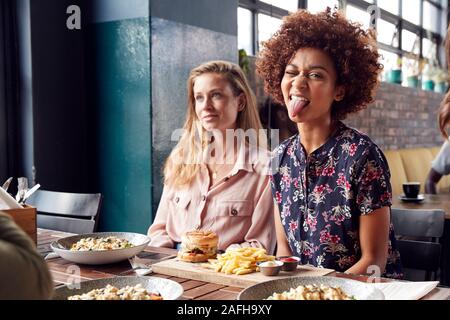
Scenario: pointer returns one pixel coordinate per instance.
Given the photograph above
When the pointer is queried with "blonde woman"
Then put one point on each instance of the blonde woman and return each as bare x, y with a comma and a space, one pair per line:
216, 176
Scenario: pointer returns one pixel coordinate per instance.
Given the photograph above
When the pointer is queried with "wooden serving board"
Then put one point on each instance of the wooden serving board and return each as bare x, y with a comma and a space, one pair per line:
176, 268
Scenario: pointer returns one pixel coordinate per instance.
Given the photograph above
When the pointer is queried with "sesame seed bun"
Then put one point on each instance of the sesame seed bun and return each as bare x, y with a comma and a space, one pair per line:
198, 246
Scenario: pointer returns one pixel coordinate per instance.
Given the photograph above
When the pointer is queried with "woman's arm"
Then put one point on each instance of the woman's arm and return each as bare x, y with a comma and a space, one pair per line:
262, 230
439, 167
432, 180
283, 248
374, 239
157, 231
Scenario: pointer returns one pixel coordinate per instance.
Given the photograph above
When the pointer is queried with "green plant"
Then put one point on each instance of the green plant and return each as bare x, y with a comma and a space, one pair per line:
244, 61
439, 75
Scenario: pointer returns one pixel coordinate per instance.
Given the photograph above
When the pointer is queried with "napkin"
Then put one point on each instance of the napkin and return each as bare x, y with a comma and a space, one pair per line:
405, 290
8, 202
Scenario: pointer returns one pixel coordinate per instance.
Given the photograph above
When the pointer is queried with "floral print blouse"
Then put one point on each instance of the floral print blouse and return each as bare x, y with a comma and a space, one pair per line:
321, 197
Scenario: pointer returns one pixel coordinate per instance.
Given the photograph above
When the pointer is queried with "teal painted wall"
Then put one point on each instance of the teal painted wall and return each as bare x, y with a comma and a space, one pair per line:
121, 95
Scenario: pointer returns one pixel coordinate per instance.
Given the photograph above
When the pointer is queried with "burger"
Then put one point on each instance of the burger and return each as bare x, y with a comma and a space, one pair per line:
198, 246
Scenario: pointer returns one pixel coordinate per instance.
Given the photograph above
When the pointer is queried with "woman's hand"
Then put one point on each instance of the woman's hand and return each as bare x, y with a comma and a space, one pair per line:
432, 180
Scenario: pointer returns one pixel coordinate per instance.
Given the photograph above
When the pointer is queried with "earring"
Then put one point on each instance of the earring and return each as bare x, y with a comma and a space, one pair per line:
340, 97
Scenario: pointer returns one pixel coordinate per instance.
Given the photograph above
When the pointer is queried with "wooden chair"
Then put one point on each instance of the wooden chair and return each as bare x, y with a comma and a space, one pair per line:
418, 233
70, 212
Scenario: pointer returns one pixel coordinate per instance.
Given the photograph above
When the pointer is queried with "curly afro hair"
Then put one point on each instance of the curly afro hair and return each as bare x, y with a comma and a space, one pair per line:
353, 51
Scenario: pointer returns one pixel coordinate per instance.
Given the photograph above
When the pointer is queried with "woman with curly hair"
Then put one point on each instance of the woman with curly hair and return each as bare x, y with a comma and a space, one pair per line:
330, 182
441, 164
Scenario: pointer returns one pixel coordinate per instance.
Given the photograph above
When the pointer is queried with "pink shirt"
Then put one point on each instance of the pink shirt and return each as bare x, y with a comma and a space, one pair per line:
239, 208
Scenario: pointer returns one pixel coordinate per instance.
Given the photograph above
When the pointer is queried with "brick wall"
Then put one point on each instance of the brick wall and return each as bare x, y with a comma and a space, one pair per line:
399, 118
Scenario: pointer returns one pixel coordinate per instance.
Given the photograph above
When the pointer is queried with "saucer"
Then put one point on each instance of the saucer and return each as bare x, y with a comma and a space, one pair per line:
419, 198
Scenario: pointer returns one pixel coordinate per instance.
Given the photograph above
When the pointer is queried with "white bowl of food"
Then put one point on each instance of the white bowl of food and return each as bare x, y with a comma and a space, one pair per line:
121, 288
101, 247
311, 288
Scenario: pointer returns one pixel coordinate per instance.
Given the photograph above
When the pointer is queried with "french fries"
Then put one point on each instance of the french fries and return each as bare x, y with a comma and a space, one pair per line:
238, 260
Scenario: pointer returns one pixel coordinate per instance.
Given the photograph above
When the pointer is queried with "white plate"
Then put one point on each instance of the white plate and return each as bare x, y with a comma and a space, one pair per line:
62, 248
169, 289
359, 290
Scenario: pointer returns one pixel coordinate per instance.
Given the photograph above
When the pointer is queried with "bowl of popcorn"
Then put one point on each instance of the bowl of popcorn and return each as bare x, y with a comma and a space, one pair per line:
270, 268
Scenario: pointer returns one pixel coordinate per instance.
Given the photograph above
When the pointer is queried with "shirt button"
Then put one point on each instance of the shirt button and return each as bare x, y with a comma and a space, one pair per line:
177, 199
203, 198
234, 212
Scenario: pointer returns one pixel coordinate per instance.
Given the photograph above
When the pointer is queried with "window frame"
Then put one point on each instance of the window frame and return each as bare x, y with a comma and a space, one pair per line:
258, 7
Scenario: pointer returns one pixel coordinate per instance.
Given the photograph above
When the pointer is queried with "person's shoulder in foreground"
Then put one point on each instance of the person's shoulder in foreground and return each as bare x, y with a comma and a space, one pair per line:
23, 273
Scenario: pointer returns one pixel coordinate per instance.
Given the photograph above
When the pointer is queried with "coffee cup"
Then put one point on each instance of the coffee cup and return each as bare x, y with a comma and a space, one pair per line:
411, 189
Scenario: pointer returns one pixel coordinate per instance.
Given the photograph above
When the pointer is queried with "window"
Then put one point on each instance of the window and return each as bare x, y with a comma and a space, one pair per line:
267, 26
420, 25
430, 17
245, 30
410, 67
387, 33
357, 15
411, 10
410, 42
316, 6
429, 49
389, 5
388, 59
407, 30
289, 5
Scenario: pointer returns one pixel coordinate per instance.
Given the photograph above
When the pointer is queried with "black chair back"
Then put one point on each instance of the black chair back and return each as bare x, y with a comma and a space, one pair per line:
418, 233
63, 211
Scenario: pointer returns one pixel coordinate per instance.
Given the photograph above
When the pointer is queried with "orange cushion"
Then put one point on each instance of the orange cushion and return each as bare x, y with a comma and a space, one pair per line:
435, 151
417, 164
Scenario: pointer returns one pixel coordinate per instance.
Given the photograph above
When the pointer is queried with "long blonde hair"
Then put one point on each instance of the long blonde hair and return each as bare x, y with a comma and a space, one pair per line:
183, 163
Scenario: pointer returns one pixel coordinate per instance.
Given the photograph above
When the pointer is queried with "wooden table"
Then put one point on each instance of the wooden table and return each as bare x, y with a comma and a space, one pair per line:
62, 271
432, 201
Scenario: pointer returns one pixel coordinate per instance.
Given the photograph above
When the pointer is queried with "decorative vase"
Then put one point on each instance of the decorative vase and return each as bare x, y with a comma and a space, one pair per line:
413, 81
395, 76
441, 87
428, 85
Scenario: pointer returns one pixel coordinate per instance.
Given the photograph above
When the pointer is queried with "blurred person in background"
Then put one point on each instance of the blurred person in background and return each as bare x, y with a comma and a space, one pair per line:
274, 116
441, 164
